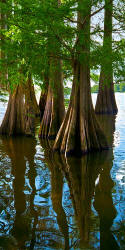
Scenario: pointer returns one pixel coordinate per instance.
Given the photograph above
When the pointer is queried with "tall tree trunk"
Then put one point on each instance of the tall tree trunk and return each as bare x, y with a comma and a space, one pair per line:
54, 109
13, 122
31, 107
43, 96
106, 103
3, 70
80, 132
30, 95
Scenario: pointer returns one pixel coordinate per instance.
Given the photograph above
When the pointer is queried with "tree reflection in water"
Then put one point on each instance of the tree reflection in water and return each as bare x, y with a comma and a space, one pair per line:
38, 222
103, 197
19, 152
56, 196
104, 206
81, 175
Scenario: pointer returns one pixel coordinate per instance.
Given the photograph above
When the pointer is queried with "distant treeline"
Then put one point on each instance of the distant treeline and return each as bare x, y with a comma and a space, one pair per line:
117, 87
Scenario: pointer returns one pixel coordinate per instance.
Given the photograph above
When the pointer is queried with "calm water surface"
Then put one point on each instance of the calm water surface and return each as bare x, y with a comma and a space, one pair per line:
49, 202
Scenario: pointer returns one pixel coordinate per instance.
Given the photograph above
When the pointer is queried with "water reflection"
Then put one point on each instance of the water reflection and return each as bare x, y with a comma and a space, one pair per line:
21, 150
104, 206
56, 193
53, 202
87, 178
103, 193
82, 175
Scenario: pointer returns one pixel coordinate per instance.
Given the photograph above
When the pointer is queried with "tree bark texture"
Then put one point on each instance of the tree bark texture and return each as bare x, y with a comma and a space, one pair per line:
13, 122
80, 132
30, 97
106, 103
31, 107
43, 97
54, 109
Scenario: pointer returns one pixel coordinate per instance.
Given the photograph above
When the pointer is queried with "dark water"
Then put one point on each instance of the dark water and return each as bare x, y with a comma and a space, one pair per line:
49, 202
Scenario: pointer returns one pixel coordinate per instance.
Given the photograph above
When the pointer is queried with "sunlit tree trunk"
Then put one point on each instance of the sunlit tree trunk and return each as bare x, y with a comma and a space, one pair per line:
80, 132
13, 122
106, 103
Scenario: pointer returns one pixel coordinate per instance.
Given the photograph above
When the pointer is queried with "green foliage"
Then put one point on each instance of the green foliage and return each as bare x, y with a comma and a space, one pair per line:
95, 88
35, 31
95, 77
67, 91
119, 87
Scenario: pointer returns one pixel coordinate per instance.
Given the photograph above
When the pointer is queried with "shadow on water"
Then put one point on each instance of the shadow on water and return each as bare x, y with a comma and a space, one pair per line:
37, 223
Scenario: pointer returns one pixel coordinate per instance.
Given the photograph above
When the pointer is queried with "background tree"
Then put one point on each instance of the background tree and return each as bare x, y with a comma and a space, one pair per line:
106, 103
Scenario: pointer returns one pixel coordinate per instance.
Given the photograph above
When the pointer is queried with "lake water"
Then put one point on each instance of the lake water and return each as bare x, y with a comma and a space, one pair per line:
49, 202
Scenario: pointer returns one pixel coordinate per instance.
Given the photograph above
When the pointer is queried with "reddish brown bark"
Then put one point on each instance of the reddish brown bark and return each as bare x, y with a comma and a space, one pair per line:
80, 132
106, 103
30, 98
42, 103
13, 122
54, 109
43, 97
31, 107
107, 124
